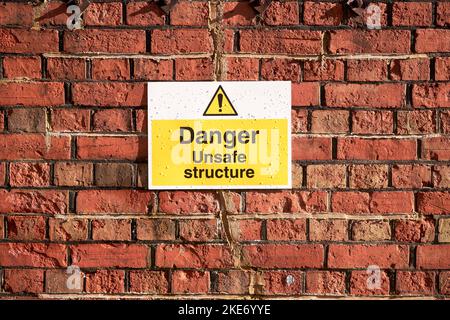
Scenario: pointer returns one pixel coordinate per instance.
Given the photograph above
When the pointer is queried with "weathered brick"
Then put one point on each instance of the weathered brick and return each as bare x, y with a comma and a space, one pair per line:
414, 230
286, 229
350, 202
412, 14
328, 230
305, 94
443, 13
384, 202
187, 13
233, 282
410, 69
342, 256
299, 120
326, 176
426, 40
114, 201
280, 69
179, 41
103, 14
114, 174
323, 13
146, 281
359, 281
311, 148
442, 67
411, 176
105, 281
192, 202
25, 174
143, 13
110, 69
415, 283
376, 149
193, 256
99, 94
110, 147
366, 70
148, 69
436, 148
323, 70
198, 230
34, 201
27, 120
371, 230
70, 120
326, 121
281, 13
31, 94
112, 120
73, 174
26, 227
285, 201
105, 40
416, 122
433, 256
24, 41
16, 14
238, 14
110, 255
56, 281
68, 229
325, 282
111, 229
433, 202
32, 255
194, 69
280, 282
22, 67
368, 176
242, 68
441, 176
245, 230
66, 68
155, 229
190, 281
372, 122
24, 281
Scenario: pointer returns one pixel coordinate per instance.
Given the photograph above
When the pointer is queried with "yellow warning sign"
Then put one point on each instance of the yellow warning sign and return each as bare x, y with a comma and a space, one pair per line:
220, 105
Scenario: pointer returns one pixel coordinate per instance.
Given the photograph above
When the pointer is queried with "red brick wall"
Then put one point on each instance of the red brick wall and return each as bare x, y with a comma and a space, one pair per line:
371, 152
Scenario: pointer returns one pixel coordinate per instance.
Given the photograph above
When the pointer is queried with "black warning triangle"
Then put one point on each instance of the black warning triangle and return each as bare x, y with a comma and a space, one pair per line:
220, 105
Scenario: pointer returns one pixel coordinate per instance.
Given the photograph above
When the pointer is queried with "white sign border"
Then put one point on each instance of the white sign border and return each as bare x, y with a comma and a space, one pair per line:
216, 187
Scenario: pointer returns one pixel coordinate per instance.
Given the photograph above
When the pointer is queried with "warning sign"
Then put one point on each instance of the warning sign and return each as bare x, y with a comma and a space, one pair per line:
219, 135
220, 105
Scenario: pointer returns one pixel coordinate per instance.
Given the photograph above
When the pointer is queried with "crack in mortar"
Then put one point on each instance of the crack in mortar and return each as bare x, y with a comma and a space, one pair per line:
226, 204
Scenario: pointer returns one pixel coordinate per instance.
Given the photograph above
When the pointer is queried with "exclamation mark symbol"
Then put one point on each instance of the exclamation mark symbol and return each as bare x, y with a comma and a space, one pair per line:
220, 97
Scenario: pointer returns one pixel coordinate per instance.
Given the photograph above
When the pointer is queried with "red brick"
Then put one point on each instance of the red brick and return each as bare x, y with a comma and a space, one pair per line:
110, 69
198, 230
16, 14
193, 256
416, 122
286, 229
350, 202
442, 67
376, 149
322, 13
238, 14
24, 281
110, 255
194, 69
328, 230
99, 94
311, 148
187, 13
53, 14
242, 68
147, 69
155, 229
111, 229
431, 95
24, 174
24, 41
114, 201
326, 121
66, 69
141, 121
372, 122
305, 94
411, 176
73, 174
39, 94
68, 229
443, 14
281, 41
391, 202
326, 176
410, 69
444, 282
369, 41
114, 148
246, 230
297, 175
412, 14
299, 118
2, 175
110, 41
283, 256
433, 256
178, 41
320, 70
433, 202
341, 256
103, 14
146, 281
27, 120
70, 120
112, 120
190, 281
233, 281
2, 121
105, 281
144, 13
281, 13
114, 174
441, 176
359, 281
280, 282
22, 67
414, 230
33, 201
179, 202
56, 281
368, 176
386, 95
371, 230
32, 255
367, 70
286, 201
325, 282
437, 148
26, 227
426, 40
415, 283
280, 69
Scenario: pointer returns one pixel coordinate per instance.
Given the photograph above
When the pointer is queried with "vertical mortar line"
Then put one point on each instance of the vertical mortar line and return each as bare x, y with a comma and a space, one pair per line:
131, 62
72, 201
434, 14
88, 66
43, 67
304, 176
1, 67
124, 12
390, 185
89, 226
61, 40
148, 41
